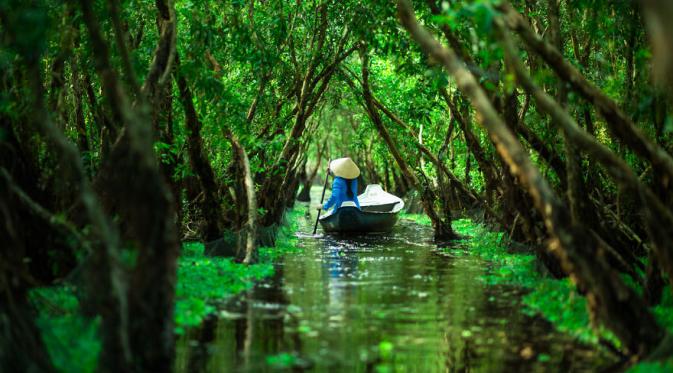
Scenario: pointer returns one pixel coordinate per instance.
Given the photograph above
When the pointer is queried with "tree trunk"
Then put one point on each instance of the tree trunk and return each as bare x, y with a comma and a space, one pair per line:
210, 205
442, 227
657, 215
250, 228
615, 304
621, 126
133, 186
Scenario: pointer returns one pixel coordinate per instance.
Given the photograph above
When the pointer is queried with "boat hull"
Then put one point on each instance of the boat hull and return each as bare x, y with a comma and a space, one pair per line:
352, 220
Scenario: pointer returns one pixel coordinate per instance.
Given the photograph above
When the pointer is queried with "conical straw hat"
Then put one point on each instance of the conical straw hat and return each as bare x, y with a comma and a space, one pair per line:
344, 167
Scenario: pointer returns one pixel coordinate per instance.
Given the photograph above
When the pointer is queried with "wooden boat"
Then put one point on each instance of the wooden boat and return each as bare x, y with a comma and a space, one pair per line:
378, 213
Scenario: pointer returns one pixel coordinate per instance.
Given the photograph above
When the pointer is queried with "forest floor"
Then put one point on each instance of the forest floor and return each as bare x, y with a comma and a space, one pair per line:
487, 296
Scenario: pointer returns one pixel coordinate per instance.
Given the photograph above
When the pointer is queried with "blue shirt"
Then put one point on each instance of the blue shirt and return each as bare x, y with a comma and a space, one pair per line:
339, 193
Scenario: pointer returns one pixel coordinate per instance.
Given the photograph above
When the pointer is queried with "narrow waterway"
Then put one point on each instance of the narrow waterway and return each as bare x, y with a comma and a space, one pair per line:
380, 303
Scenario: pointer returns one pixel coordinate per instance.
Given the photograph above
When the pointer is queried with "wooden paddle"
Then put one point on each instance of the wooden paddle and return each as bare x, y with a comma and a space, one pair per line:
315, 228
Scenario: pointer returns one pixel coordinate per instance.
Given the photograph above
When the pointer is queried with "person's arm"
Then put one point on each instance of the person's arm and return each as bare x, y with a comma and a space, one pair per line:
354, 189
336, 191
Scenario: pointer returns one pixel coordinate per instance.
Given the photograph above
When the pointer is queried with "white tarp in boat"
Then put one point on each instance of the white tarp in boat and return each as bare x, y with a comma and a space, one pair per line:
374, 195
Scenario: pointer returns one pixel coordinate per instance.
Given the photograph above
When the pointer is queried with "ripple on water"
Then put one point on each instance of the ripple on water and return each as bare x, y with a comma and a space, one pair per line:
351, 304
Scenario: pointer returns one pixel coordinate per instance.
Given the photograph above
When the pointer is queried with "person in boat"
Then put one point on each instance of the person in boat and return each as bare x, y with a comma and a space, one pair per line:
345, 184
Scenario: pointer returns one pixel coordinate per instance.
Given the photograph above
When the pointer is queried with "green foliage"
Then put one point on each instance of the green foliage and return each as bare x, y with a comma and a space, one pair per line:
250, 42
386, 350
664, 311
509, 268
71, 339
203, 280
559, 302
555, 300
26, 25
653, 367
282, 360
421, 219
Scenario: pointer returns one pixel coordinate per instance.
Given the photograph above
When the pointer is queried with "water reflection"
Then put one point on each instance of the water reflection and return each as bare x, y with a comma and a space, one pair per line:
387, 302
341, 271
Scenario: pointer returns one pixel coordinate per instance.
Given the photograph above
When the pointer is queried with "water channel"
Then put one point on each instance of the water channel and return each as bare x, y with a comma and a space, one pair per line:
380, 303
